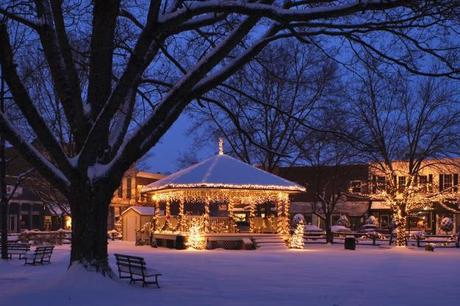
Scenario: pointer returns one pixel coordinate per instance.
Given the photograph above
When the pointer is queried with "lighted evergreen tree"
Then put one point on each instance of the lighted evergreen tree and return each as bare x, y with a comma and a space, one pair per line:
195, 238
297, 238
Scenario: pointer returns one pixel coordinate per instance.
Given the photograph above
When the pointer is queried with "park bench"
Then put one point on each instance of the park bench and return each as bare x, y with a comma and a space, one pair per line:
41, 255
17, 249
134, 268
439, 240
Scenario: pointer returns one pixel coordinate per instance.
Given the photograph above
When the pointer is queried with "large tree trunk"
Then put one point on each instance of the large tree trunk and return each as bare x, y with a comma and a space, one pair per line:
329, 235
90, 209
400, 217
3, 197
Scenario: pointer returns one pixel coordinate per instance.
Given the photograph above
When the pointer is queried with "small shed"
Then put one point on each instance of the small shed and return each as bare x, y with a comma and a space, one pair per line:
133, 218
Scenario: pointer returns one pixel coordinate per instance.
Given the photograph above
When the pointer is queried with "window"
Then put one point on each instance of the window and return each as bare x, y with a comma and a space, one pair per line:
448, 182
423, 183
380, 183
128, 187
355, 186
401, 183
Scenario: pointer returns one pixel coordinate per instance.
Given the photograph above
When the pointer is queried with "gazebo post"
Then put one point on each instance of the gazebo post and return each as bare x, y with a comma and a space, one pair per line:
252, 214
206, 215
282, 212
181, 214
156, 212
231, 214
168, 208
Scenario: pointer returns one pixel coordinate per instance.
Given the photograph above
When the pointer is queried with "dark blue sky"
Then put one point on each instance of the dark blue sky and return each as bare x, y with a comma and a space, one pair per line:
163, 157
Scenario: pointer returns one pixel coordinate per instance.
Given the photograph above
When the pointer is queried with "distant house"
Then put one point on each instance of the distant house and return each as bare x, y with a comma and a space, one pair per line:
363, 183
128, 194
439, 177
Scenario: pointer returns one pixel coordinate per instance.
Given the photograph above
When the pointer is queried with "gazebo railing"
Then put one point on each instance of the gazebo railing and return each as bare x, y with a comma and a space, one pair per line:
264, 224
174, 224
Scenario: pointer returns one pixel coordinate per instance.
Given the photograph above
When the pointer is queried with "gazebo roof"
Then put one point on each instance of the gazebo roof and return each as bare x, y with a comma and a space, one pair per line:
223, 172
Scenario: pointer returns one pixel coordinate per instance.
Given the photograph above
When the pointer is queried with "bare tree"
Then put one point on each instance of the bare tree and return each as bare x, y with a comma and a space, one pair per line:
329, 157
126, 75
262, 109
403, 125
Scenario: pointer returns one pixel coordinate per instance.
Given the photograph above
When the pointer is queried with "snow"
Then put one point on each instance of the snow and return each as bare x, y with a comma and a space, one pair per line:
222, 171
340, 229
312, 228
317, 275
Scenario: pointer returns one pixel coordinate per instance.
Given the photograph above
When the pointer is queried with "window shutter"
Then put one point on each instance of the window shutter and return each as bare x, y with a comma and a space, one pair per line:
374, 184
430, 182
441, 182
456, 182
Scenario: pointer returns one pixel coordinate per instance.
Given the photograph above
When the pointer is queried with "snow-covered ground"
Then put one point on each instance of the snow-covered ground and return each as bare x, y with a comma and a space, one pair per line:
318, 275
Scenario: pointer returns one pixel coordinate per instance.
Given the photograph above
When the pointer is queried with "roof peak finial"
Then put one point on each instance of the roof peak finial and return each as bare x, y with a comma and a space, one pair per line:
221, 146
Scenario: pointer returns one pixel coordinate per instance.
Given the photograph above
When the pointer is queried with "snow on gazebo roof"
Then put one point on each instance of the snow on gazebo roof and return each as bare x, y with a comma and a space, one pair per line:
224, 172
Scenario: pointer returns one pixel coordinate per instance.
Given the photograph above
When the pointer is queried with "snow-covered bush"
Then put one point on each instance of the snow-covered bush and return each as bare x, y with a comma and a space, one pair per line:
340, 229
312, 228
297, 219
343, 221
447, 224
372, 221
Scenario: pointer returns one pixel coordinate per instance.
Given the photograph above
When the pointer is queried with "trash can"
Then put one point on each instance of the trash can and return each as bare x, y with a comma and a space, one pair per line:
350, 243
180, 242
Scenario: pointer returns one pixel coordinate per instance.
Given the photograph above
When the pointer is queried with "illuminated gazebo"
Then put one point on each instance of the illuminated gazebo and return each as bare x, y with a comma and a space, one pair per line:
219, 193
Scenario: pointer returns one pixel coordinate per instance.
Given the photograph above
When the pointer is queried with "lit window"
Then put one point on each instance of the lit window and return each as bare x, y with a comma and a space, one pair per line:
423, 183
401, 183
355, 186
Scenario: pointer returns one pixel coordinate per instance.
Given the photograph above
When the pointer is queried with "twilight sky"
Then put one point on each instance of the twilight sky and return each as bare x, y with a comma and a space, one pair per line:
163, 157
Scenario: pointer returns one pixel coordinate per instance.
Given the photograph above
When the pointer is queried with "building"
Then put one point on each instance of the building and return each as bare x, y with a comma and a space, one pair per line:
330, 180
36, 204
437, 180
129, 194
363, 185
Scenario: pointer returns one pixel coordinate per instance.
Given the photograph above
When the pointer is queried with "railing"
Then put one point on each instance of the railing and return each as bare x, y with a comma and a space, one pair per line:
49, 237
263, 225
174, 224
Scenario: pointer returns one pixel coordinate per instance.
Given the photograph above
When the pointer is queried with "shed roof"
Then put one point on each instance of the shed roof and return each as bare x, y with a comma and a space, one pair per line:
141, 210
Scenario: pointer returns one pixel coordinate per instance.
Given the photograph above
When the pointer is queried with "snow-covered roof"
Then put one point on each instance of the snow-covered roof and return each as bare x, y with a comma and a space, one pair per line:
141, 210
223, 171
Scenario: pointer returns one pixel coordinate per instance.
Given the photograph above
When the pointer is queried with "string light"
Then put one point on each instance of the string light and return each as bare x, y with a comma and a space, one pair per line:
230, 196
223, 186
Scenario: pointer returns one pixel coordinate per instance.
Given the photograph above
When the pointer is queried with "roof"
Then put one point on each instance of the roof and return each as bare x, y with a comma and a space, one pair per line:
150, 175
223, 171
141, 210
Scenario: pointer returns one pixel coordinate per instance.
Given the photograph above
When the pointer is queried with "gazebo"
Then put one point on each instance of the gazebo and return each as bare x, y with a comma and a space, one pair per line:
220, 194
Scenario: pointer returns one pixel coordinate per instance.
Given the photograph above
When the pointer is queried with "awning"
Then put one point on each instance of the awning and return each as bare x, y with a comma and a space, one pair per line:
379, 205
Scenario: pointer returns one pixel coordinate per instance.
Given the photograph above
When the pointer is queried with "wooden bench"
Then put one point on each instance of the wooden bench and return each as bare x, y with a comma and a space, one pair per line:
17, 249
41, 255
439, 240
135, 269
